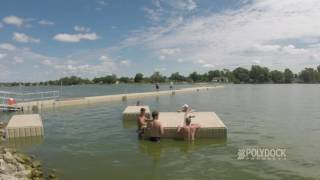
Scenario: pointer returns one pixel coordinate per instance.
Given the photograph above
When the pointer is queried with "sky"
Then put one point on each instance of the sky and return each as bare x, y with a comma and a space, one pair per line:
45, 39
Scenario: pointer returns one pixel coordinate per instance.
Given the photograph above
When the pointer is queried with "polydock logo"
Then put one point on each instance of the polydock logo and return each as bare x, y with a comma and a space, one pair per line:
256, 153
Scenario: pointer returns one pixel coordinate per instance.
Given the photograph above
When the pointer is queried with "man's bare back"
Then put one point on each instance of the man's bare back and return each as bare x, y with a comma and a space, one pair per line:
156, 128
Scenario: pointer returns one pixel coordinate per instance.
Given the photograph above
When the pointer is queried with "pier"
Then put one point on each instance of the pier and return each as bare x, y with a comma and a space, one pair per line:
56, 103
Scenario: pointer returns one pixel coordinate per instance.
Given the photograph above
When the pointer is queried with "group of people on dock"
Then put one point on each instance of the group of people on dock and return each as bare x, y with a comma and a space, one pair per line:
154, 126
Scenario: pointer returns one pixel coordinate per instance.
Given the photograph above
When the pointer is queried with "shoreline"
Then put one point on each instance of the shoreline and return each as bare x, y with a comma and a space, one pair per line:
18, 166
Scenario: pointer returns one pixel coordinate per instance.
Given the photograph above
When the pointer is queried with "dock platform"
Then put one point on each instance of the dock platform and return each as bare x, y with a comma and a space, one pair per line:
26, 125
54, 103
211, 125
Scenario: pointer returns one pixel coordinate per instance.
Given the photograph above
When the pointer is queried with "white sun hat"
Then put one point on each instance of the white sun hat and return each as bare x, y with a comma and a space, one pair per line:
185, 106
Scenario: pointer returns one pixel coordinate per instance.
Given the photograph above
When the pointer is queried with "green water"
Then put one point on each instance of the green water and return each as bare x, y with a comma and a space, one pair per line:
92, 142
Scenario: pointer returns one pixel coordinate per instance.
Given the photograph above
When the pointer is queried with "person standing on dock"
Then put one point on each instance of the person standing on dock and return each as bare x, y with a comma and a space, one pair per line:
157, 87
188, 130
155, 127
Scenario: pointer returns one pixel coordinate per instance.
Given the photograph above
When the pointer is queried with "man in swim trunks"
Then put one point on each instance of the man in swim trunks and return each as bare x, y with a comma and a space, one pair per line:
188, 130
155, 127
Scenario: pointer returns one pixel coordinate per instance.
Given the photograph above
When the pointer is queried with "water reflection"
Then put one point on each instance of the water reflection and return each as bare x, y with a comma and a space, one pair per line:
155, 150
129, 123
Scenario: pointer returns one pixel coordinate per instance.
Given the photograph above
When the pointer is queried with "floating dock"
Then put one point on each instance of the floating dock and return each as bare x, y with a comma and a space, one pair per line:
211, 125
131, 113
26, 125
47, 104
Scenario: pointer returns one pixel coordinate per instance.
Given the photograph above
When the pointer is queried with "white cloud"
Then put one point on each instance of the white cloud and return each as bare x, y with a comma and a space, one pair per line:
23, 38
168, 51
2, 55
46, 22
85, 63
102, 3
162, 57
208, 65
81, 29
160, 69
7, 46
125, 62
73, 38
179, 60
182, 4
47, 62
270, 30
13, 20
17, 60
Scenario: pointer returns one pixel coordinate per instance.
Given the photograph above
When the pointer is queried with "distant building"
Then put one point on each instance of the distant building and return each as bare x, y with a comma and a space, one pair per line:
220, 80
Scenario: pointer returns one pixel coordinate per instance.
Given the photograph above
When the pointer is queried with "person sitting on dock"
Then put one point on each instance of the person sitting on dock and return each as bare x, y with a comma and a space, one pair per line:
141, 122
188, 130
155, 127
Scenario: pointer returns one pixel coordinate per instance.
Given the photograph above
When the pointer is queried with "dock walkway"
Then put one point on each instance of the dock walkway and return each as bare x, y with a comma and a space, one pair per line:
47, 104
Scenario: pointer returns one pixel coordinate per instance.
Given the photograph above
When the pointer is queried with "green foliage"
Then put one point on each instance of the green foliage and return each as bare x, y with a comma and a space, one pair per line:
277, 76
309, 75
214, 74
241, 75
288, 76
177, 77
195, 77
138, 78
73, 80
259, 74
124, 80
109, 79
156, 77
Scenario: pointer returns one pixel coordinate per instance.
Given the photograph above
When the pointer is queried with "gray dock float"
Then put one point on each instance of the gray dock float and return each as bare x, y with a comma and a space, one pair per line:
26, 125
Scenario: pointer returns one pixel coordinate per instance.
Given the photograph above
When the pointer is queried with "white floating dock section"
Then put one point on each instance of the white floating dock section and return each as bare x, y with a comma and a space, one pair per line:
211, 125
132, 112
26, 125
46, 104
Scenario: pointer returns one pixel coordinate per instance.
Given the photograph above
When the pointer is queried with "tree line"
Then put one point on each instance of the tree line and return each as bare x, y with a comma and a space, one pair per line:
256, 75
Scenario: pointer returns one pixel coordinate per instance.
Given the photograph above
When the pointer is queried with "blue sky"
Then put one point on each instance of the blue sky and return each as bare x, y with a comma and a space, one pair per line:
45, 39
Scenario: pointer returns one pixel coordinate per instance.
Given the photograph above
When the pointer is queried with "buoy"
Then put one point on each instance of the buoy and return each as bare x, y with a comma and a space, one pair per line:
11, 101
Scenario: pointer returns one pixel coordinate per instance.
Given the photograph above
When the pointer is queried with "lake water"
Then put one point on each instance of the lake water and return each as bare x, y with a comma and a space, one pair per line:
92, 142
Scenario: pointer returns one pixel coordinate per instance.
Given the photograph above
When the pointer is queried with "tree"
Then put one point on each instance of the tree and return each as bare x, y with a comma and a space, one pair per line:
124, 80
318, 68
276, 76
110, 79
214, 74
156, 77
195, 77
309, 75
259, 74
288, 76
72, 80
138, 78
177, 77
241, 75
